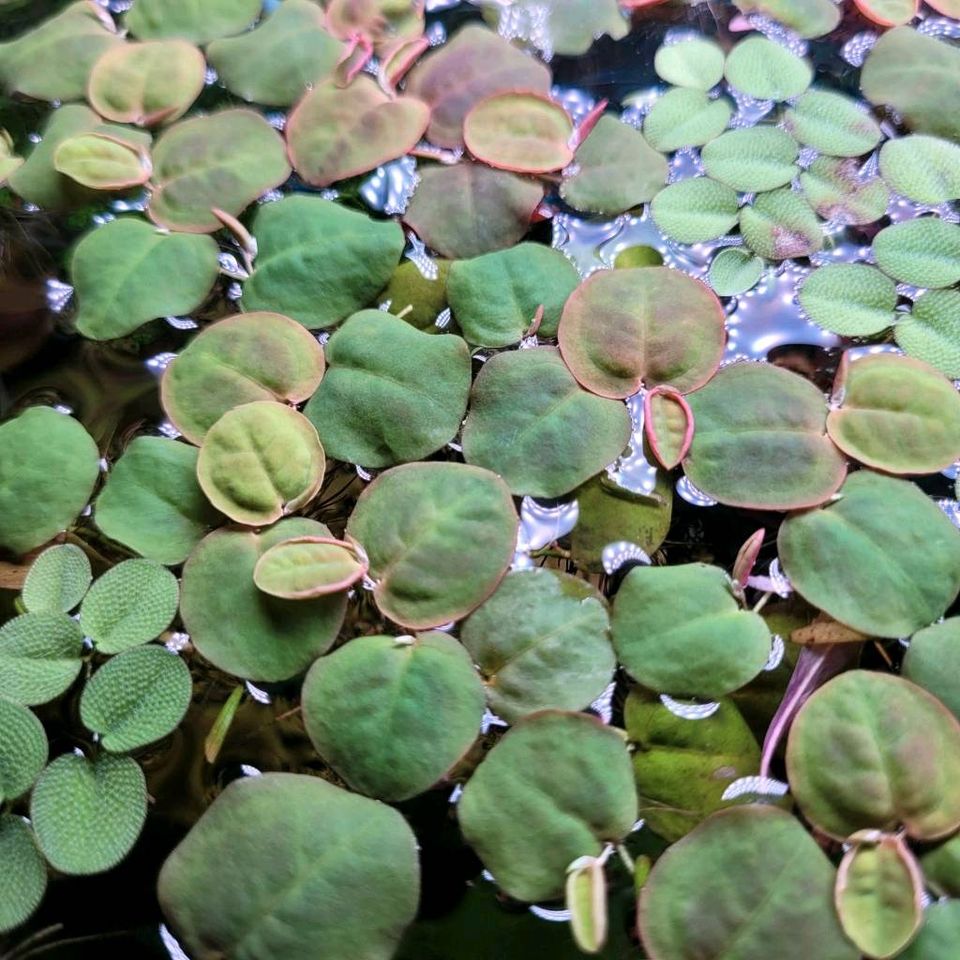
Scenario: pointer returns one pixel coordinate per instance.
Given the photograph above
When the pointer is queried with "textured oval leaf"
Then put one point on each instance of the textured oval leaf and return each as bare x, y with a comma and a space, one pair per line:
925, 169
102, 163
695, 210
57, 580
780, 225
23, 879
532, 423
23, 751
335, 133
931, 331
739, 874
833, 124
752, 159
924, 252
199, 22
319, 262
852, 299
894, 753
586, 899
224, 160
626, 329
837, 190
439, 536
307, 567
937, 939
809, 18
48, 468
257, 483
391, 393
363, 710
127, 273
242, 630
556, 787
932, 661
303, 838
668, 424
888, 13
692, 62
39, 657
761, 440
136, 698
766, 70
734, 271
542, 641
685, 118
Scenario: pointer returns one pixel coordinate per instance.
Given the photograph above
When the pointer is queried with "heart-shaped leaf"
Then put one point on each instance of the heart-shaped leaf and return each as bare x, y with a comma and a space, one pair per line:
691, 62
833, 124
685, 118
23, 880
931, 331
198, 22
937, 939
57, 580
852, 299
752, 159
734, 271
766, 70
838, 191
39, 657
100, 162
306, 567
932, 661
888, 13
23, 750
668, 425
695, 210
780, 225
809, 18
924, 252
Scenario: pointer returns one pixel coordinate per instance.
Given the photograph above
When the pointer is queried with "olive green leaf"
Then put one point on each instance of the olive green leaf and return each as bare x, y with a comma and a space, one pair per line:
734, 271
469, 209
894, 752
695, 210
761, 440
439, 536
363, 707
924, 252
808, 18
615, 169
238, 360
23, 879
319, 262
391, 393
57, 580
755, 158
147, 84
276, 63
532, 423
129, 272
933, 662
336, 132
425, 296
224, 160
931, 331
735, 880
682, 768
925, 169
692, 62
298, 846
88, 814
576, 24
101, 162
895, 414
679, 630
256, 482
557, 787
766, 70
541, 641
199, 22
941, 868
152, 502
48, 468
780, 224
495, 298
668, 425
836, 189
39, 657
220, 728
626, 329
23, 750
242, 630
685, 118
940, 933
131, 604
474, 65
852, 299
833, 124
9, 162
306, 567
586, 900
136, 698
882, 559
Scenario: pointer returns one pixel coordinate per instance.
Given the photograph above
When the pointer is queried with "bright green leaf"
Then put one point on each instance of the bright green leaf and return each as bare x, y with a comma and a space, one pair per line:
57, 580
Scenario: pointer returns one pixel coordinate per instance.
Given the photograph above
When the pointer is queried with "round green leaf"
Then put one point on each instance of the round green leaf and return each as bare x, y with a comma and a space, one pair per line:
23, 879
933, 662
761, 440
48, 467
147, 84
532, 423
101, 162
695, 210
495, 298
931, 331
895, 414
336, 132
679, 630
308, 567
751, 877
242, 630
131, 604
391, 393
57, 580
363, 707
808, 18
939, 935
685, 118
329, 867
88, 814
893, 756
136, 698
779, 225
833, 124
925, 169
319, 262
752, 159
626, 329
766, 70
734, 271
556, 787
439, 536
199, 22
224, 160
152, 502
695, 62
23, 750
129, 272
852, 299
238, 360
257, 482
837, 191
39, 657
924, 252
541, 641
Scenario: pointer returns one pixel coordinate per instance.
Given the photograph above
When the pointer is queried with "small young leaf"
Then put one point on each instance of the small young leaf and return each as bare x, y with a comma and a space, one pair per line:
307, 567
213, 743
101, 162
23, 878
833, 124
780, 225
752, 159
57, 580
685, 118
23, 750
766, 70
39, 657
931, 331
668, 423
852, 299
586, 899
924, 252
734, 271
695, 62
695, 210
